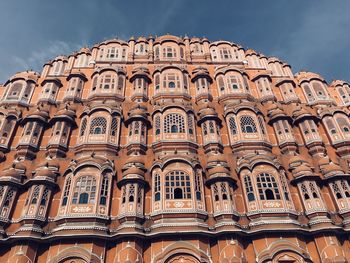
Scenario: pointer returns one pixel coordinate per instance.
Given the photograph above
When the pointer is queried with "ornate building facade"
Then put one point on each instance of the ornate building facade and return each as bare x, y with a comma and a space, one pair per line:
173, 150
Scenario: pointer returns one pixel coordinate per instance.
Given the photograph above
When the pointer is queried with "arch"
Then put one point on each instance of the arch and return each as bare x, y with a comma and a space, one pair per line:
275, 249
129, 254
76, 252
232, 253
182, 248
333, 253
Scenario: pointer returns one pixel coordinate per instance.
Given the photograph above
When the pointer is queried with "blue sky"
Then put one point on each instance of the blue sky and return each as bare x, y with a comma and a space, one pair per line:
308, 34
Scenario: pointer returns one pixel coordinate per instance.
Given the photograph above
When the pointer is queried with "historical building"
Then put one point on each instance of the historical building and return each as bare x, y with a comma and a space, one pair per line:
173, 150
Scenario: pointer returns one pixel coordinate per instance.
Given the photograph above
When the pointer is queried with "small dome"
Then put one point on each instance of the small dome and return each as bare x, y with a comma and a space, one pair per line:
134, 170
84, 50
218, 170
250, 52
216, 158
135, 159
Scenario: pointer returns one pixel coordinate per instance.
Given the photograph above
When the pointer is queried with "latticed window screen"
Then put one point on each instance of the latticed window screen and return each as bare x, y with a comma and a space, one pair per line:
171, 80
66, 191
234, 83
249, 188
216, 192
84, 190
7, 128
343, 124
35, 195
198, 186
123, 194
29, 128
224, 193
305, 191
308, 92
174, 123
9, 196
83, 126
112, 52
15, 91
37, 130
284, 185
205, 128
177, 185
139, 195
233, 126
44, 197
330, 125
190, 124
157, 125
262, 125
2, 190
341, 189
98, 125
104, 190
221, 83
114, 126
156, 187
132, 193
120, 83
212, 127
248, 124
267, 187
314, 189
319, 90
107, 82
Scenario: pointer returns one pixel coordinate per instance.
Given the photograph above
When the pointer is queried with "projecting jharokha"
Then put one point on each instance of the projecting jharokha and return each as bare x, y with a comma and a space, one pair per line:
173, 150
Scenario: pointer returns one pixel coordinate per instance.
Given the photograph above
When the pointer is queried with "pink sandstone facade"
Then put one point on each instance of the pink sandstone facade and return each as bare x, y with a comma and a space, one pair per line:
173, 150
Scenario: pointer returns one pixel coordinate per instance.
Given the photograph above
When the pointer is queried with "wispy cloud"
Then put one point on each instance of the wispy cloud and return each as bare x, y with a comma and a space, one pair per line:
38, 57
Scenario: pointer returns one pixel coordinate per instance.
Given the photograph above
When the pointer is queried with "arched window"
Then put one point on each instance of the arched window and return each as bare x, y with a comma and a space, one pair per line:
157, 81
120, 83
83, 127
7, 127
177, 185
235, 83
171, 80
249, 188
98, 125
44, 197
131, 193
319, 90
35, 195
205, 128
14, 91
156, 187
262, 125
267, 187
174, 123
198, 185
308, 92
157, 125
341, 189
66, 191
8, 199
221, 83
84, 190
248, 124
343, 123
114, 126
330, 125
232, 125
107, 82
104, 190
190, 124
